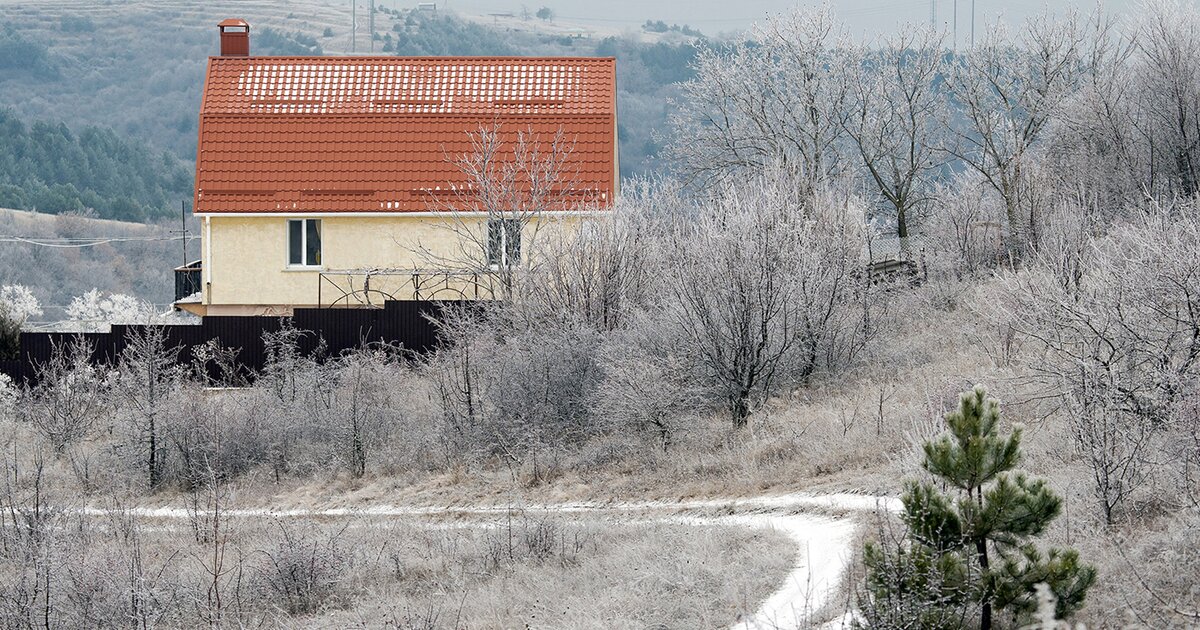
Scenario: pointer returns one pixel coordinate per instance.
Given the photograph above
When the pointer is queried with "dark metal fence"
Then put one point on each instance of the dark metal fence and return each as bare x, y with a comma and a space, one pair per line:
402, 322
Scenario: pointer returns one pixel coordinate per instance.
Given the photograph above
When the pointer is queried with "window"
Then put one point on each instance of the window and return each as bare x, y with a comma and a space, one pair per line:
304, 242
504, 242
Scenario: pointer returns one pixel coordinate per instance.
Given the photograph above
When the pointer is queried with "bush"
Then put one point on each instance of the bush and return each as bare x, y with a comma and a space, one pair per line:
508, 391
302, 573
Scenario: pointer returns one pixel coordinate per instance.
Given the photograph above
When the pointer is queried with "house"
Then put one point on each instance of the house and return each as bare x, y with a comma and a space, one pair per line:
344, 181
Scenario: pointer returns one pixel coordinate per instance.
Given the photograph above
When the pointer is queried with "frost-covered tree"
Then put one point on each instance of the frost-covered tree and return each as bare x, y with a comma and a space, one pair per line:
17, 305
764, 289
147, 375
1008, 92
514, 178
778, 97
1117, 328
98, 309
70, 396
1168, 43
895, 120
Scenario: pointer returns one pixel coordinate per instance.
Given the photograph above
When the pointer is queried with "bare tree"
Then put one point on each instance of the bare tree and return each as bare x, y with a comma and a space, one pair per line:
766, 289
776, 98
895, 119
968, 227
1132, 128
513, 180
1168, 43
360, 403
285, 361
1115, 443
600, 273
28, 524
1118, 321
1009, 92
1097, 145
148, 373
645, 388
70, 395
455, 375
212, 529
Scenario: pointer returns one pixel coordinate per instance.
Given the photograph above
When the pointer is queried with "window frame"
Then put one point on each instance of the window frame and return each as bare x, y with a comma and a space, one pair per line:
507, 227
304, 227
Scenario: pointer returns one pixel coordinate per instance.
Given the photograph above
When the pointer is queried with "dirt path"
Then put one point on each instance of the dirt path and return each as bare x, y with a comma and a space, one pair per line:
820, 526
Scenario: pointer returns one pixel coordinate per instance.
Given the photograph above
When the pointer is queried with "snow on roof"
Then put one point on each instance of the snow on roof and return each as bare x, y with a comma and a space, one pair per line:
363, 134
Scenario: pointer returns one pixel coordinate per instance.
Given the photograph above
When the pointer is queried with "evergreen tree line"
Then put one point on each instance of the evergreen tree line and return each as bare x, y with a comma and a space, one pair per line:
46, 167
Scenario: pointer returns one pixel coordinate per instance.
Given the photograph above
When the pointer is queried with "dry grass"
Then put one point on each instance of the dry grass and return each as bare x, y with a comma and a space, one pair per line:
863, 433
516, 572
594, 575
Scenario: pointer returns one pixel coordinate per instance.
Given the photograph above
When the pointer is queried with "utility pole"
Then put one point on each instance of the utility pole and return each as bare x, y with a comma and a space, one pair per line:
955, 47
371, 23
972, 23
183, 231
353, 25
933, 15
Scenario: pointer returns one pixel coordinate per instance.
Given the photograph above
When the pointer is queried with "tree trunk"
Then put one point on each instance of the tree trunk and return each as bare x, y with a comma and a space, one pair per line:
152, 460
741, 410
985, 614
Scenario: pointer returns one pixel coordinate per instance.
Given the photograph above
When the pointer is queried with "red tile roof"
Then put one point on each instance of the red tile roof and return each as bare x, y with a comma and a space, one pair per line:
378, 134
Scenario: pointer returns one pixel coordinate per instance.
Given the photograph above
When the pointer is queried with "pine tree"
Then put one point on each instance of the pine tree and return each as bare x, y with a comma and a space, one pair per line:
979, 534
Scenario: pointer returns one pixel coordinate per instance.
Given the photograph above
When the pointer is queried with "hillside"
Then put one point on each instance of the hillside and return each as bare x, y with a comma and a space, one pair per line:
138, 65
48, 168
61, 256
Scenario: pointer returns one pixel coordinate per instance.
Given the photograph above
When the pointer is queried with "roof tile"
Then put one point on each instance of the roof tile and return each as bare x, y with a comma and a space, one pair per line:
364, 134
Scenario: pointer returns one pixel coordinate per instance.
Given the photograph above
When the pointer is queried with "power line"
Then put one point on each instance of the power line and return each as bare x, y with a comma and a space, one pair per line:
68, 243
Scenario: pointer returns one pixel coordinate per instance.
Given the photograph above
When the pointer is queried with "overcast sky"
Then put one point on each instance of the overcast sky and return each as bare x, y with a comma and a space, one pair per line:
715, 16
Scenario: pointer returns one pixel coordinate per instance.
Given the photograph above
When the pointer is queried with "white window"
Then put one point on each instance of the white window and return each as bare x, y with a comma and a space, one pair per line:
504, 242
304, 242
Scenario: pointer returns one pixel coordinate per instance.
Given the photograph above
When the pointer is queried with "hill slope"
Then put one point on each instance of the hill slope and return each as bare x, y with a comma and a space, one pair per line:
136, 66
58, 257
44, 166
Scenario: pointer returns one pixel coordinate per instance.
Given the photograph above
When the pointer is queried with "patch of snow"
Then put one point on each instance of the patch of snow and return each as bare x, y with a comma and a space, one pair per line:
824, 553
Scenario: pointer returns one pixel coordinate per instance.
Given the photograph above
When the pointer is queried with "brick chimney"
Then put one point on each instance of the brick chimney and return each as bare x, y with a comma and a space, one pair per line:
235, 38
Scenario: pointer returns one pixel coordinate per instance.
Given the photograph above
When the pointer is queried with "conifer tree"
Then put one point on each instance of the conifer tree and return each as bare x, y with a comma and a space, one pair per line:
977, 536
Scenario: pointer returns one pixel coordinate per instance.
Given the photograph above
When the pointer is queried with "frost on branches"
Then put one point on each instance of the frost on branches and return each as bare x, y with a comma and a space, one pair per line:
97, 310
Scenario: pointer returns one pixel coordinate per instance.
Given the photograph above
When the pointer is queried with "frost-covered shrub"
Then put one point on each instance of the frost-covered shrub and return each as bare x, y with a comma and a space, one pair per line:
19, 302
97, 309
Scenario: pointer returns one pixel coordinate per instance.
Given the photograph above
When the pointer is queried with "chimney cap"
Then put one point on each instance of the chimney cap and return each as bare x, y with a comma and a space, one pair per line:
235, 38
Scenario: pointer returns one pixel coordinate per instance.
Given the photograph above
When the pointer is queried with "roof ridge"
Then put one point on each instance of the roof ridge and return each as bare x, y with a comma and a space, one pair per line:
396, 58
451, 115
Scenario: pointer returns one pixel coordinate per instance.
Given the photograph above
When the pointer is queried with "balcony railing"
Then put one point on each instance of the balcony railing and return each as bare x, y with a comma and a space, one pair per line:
187, 280
373, 287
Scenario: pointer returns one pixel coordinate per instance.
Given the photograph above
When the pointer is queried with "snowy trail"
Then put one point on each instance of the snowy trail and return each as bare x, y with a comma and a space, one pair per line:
816, 523
824, 553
